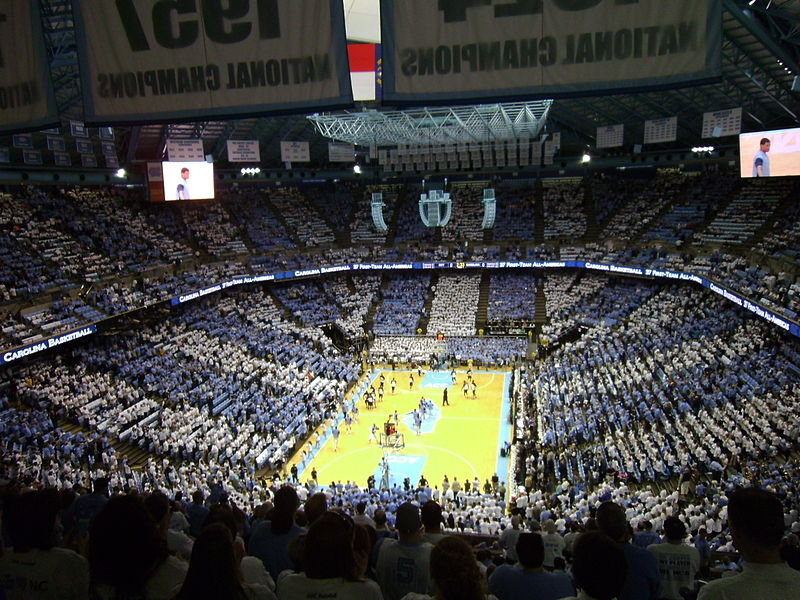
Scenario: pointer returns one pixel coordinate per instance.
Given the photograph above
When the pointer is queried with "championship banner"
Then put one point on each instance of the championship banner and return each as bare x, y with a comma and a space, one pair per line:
244, 151
185, 150
295, 152
340, 152
479, 50
720, 123
661, 130
610, 136
156, 60
88, 160
62, 159
26, 90
56, 143
32, 157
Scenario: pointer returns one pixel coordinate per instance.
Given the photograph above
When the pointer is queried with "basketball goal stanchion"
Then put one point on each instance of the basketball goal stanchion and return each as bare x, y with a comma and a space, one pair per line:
391, 443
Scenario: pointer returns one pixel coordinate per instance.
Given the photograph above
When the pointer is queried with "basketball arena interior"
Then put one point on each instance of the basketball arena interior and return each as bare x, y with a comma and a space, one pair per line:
463, 272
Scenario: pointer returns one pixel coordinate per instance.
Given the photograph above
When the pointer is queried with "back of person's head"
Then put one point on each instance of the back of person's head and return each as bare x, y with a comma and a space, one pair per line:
530, 550
431, 516
214, 571
598, 565
157, 504
455, 571
559, 564
315, 507
755, 517
125, 547
379, 516
286, 503
30, 519
648, 526
197, 497
549, 526
329, 547
611, 520
224, 515
361, 507
674, 529
407, 519
364, 539
100, 485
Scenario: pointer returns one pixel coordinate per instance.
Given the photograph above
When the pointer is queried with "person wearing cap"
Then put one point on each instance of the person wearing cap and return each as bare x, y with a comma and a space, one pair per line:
677, 562
403, 565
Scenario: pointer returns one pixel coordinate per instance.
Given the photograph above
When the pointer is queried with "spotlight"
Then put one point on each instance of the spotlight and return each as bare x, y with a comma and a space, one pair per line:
357, 169
586, 158
121, 173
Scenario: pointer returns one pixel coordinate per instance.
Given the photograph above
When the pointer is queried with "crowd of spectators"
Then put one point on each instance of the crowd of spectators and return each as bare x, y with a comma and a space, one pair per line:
455, 304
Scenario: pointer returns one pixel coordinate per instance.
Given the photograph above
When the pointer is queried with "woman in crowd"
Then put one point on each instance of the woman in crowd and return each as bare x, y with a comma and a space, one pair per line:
215, 572
331, 566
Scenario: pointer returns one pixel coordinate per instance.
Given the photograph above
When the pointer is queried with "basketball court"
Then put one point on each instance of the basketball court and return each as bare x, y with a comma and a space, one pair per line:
461, 440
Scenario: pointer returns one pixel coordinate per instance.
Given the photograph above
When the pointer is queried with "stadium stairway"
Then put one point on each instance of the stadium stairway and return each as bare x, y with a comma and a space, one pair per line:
482, 315
400, 205
712, 215
422, 324
668, 206
135, 455
774, 222
540, 309
538, 213
284, 223
287, 314
592, 229
369, 319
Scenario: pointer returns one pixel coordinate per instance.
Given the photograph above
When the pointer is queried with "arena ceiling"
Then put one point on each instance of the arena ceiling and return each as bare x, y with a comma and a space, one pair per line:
760, 60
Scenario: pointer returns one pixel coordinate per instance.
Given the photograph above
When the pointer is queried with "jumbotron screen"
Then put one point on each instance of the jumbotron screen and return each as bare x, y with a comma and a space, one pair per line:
770, 153
188, 181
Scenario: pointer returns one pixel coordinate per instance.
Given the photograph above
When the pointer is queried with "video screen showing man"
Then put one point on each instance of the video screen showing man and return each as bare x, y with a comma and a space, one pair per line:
188, 180
761, 160
183, 186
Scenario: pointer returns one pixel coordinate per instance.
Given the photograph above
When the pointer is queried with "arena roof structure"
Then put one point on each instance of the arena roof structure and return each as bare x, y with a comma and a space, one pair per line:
760, 66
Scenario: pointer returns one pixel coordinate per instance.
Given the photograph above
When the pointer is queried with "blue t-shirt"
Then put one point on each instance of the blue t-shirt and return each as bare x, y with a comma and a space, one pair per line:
643, 581
183, 187
512, 582
761, 159
272, 549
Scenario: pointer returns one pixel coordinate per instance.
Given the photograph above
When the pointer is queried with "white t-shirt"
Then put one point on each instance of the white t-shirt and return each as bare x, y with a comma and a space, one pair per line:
299, 587
55, 574
756, 582
677, 564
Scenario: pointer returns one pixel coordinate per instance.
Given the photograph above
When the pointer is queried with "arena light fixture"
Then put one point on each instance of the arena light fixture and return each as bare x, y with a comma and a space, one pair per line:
357, 169
586, 158
121, 173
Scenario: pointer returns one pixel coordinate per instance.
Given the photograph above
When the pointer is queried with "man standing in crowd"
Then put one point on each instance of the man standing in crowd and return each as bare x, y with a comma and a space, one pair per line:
642, 581
677, 562
403, 565
756, 522
528, 579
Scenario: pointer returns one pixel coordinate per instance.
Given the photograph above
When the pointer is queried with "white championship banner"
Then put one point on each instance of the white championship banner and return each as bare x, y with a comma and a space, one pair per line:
661, 130
26, 89
472, 50
295, 152
610, 136
185, 150
720, 123
150, 60
244, 151
340, 152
